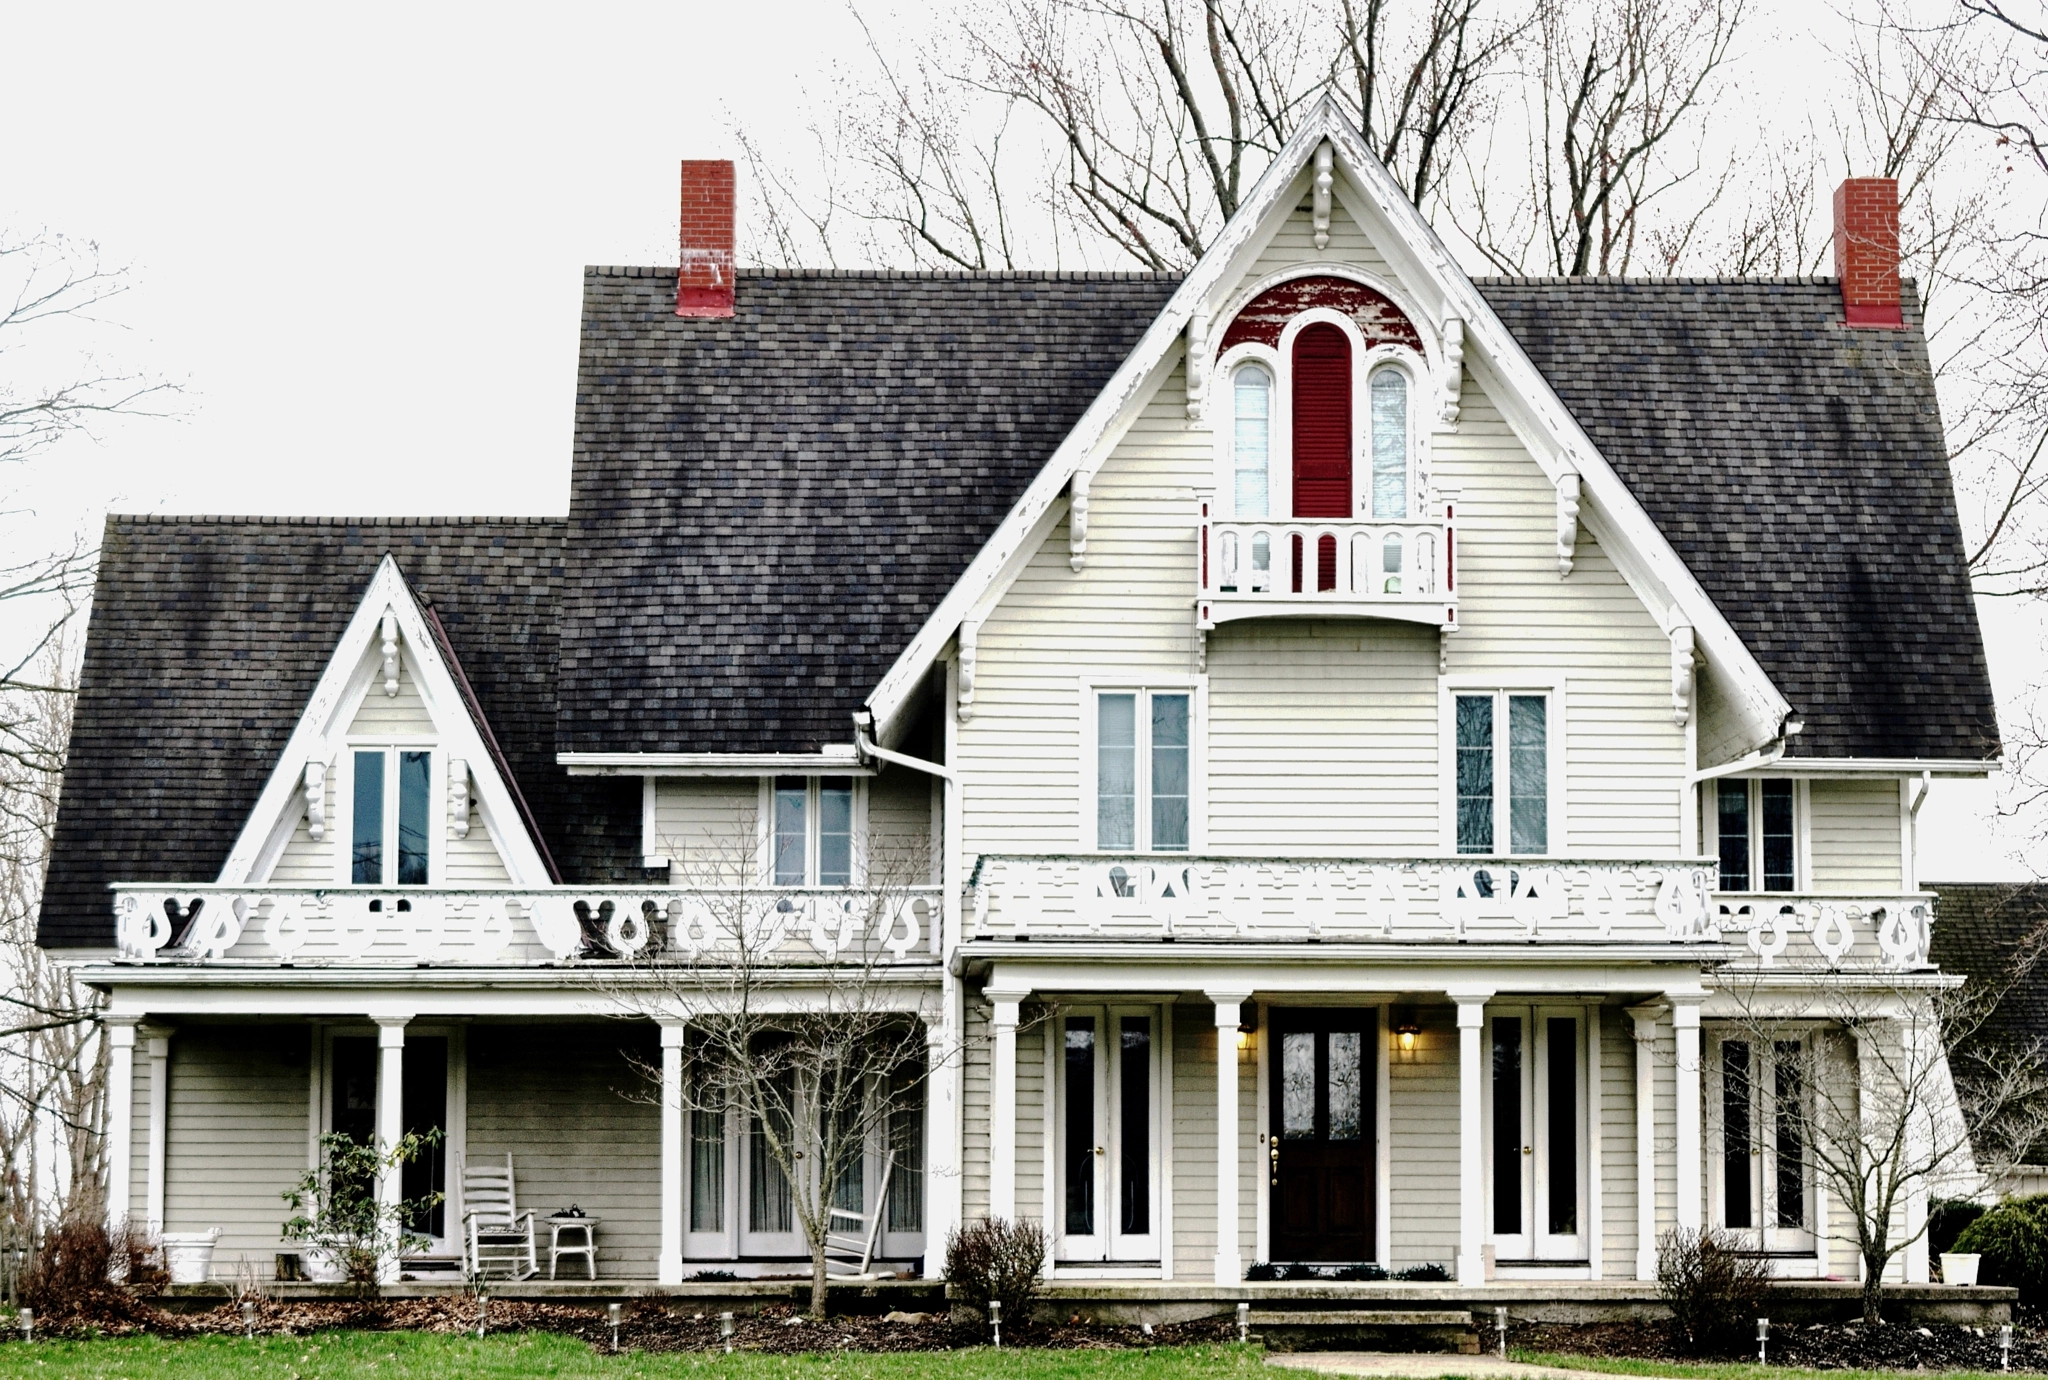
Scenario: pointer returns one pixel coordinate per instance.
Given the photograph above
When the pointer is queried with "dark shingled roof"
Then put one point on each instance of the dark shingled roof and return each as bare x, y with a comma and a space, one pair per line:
206, 639
1800, 470
1979, 931
765, 509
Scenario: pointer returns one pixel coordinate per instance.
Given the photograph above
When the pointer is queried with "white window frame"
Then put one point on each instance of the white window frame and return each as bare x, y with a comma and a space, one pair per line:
1555, 739
1802, 852
1239, 358
1196, 688
1790, 1242
1107, 1243
1405, 362
344, 828
1536, 1242
765, 840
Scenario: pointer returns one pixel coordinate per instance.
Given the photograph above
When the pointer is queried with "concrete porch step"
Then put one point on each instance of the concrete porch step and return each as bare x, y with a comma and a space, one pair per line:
1441, 1330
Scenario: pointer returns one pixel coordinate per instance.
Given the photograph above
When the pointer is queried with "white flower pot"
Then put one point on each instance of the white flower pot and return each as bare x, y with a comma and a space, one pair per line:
188, 1255
322, 1267
1959, 1269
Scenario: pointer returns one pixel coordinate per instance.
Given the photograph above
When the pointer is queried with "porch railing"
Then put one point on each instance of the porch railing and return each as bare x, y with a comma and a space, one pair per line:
1402, 569
1430, 900
501, 926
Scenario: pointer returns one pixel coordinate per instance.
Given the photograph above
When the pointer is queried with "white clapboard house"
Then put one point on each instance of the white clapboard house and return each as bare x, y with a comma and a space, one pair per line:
1428, 693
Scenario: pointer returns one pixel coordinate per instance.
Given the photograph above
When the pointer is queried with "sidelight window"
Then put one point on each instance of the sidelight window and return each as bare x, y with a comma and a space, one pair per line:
390, 833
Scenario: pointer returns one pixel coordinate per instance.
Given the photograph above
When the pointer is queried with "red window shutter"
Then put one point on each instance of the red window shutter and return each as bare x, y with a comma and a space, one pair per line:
1322, 423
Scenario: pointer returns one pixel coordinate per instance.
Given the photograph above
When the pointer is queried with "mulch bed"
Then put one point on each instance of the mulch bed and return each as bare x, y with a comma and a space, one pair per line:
1820, 1346
646, 1327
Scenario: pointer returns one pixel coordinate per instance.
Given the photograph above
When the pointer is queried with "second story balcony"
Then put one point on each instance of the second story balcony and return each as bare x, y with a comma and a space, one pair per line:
1329, 568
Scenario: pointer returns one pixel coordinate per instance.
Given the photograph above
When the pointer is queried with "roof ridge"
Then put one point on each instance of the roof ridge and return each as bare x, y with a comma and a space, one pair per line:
1047, 275
1646, 280
327, 520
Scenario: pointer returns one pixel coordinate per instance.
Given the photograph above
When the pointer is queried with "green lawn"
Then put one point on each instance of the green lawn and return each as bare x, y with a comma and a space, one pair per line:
1729, 1370
428, 1356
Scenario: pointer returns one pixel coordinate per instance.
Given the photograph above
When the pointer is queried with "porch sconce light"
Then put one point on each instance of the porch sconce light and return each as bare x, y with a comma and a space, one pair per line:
1247, 1024
1763, 1337
613, 1310
1406, 1033
249, 1319
725, 1331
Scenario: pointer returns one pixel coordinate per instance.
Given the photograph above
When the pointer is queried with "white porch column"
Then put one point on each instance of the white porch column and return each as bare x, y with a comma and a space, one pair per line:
1471, 1148
120, 1114
941, 1148
159, 1051
1645, 1018
668, 1268
1229, 1261
1002, 1112
1685, 1023
1918, 1053
390, 1126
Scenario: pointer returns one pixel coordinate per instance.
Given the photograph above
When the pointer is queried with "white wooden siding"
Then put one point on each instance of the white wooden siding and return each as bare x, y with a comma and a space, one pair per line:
900, 829
1034, 1103
307, 861
707, 828
138, 1138
1422, 1129
1194, 1143
1617, 1076
568, 1104
1853, 832
975, 1063
1294, 246
235, 1136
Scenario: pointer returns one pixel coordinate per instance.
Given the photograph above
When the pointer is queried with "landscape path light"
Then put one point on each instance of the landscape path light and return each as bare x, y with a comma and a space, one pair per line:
249, 1318
1244, 1322
613, 1310
1763, 1337
725, 1331
995, 1321
27, 1319
2005, 1346
1500, 1325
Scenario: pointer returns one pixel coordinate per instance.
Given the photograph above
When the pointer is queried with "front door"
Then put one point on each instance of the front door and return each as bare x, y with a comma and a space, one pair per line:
1535, 1132
1105, 1130
1321, 1150
353, 1063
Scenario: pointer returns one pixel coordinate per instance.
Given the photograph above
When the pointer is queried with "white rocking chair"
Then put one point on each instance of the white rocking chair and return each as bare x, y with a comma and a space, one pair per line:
498, 1235
850, 1250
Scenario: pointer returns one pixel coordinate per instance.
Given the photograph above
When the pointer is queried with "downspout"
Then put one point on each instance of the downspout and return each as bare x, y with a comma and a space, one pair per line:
1911, 870
865, 746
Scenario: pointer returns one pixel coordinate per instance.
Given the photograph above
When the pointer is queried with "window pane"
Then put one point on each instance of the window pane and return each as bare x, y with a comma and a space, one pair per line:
1170, 773
1507, 1125
366, 854
771, 1206
1732, 824
1779, 874
1251, 441
850, 1185
906, 1149
1389, 444
1116, 772
1735, 1103
1347, 1077
1134, 1126
791, 795
1562, 1068
835, 831
1528, 774
415, 783
1789, 1135
1475, 773
1297, 1084
1080, 1108
707, 1170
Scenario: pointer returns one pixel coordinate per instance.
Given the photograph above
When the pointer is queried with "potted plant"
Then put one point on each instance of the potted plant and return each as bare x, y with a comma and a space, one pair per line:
1960, 1267
348, 1233
188, 1255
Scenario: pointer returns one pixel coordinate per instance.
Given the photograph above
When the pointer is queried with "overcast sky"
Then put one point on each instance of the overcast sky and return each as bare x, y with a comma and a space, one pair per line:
357, 236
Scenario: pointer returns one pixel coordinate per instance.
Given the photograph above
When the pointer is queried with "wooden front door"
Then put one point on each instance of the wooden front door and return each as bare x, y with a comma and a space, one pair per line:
1321, 1146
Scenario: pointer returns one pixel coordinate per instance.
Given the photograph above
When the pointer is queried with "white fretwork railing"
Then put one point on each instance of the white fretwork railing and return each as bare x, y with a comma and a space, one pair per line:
1404, 569
1427, 900
503, 927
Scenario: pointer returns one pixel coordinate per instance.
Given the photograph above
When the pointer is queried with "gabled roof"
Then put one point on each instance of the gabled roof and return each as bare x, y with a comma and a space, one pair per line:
206, 639
765, 508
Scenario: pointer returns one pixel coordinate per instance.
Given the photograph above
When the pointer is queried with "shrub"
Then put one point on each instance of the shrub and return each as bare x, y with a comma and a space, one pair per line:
2013, 1239
1261, 1272
996, 1260
1367, 1271
70, 1269
136, 1256
1946, 1219
336, 1210
1431, 1273
1713, 1289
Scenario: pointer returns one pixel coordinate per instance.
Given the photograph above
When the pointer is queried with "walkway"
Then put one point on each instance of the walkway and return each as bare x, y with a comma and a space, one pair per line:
1418, 1365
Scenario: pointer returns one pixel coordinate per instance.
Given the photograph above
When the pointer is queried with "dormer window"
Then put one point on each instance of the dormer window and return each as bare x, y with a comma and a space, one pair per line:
1251, 439
1389, 394
389, 833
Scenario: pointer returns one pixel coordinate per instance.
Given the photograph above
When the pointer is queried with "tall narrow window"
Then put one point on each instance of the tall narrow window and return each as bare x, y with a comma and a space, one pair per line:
707, 1170
1322, 423
1134, 1152
835, 831
792, 797
1080, 1138
1144, 770
1347, 1084
1475, 774
771, 1205
1562, 1068
1507, 1125
1732, 814
366, 850
1528, 775
1170, 773
415, 786
1251, 440
1297, 1084
906, 1149
1116, 773
1735, 1133
1779, 872
1389, 444
1789, 1103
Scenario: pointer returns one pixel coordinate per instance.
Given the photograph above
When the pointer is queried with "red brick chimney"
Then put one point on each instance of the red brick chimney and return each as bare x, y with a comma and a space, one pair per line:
704, 282
1867, 250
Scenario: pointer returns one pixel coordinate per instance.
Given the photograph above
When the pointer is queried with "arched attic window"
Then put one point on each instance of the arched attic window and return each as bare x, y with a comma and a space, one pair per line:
1251, 441
1322, 422
1389, 405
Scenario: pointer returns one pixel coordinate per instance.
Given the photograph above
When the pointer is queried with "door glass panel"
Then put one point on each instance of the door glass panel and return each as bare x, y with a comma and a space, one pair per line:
1080, 1139
1346, 1068
791, 795
415, 785
1789, 1095
366, 853
1170, 773
1562, 1068
1297, 1084
352, 1082
770, 1204
1475, 773
906, 1147
1777, 831
425, 1094
849, 1184
1116, 772
707, 1170
1528, 775
1507, 1125
1732, 816
1735, 1103
1134, 1126
835, 831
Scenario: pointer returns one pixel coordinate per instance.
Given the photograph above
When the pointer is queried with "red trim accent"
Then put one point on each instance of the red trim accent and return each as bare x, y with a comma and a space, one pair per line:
1322, 423
1294, 559
1450, 555
1877, 318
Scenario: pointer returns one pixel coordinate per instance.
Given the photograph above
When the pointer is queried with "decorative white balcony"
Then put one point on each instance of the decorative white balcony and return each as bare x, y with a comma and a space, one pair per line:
1328, 568
1429, 901
409, 927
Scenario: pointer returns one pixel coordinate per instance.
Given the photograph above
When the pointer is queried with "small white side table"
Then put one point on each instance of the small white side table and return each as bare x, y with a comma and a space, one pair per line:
588, 1249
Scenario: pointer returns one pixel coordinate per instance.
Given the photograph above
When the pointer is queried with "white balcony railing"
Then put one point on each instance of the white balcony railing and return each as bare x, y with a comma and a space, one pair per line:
1383, 569
1430, 900
502, 927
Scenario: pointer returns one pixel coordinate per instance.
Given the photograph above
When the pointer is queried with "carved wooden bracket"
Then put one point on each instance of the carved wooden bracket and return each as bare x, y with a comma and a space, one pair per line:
316, 799
1567, 522
1197, 369
389, 631
1325, 179
970, 636
1077, 522
458, 798
1454, 372
1681, 674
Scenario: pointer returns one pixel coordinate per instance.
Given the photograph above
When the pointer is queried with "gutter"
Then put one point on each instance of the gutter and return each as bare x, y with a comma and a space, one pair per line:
866, 747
